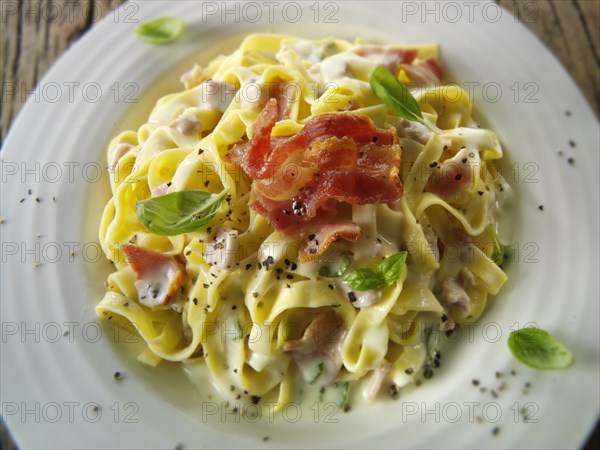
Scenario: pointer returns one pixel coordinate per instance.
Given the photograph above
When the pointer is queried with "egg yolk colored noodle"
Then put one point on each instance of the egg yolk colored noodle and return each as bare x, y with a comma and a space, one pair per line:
343, 239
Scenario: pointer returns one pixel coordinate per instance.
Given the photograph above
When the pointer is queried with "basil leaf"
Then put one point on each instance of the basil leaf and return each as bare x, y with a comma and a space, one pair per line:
395, 95
499, 250
387, 273
325, 271
319, 372
178, 212
345, 391
538, 349
364, 280
163, 30
391, 267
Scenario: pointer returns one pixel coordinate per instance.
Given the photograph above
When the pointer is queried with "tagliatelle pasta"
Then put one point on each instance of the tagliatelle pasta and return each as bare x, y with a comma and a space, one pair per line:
341, 236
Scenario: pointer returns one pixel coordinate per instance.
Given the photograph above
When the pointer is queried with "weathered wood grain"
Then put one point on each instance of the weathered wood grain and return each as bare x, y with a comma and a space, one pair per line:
569, 28
34, 34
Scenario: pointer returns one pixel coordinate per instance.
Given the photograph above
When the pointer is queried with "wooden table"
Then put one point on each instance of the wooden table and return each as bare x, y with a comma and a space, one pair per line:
30, 44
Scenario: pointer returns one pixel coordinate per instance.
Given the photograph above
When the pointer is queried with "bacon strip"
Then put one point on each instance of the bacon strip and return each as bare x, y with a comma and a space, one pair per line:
301, 180
424, 73
451, 177
158, 276
324, 236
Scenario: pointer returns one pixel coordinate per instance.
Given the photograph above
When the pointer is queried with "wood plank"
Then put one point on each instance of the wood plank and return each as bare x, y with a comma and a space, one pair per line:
34, 35
561, 26
589, 15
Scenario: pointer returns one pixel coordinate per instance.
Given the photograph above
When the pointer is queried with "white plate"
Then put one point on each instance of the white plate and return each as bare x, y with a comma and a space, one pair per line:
50, 382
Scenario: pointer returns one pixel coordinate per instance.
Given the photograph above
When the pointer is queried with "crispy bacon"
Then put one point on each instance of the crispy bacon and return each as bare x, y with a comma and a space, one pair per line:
301, 180
158, 276
424, 73
326, 235
451, 177
287, 93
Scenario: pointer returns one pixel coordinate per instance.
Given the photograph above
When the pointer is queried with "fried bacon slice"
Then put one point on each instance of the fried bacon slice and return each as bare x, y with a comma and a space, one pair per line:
301, 180
158, 276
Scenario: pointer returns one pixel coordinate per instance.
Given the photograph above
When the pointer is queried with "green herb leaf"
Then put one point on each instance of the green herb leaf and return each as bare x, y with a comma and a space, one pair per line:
163, 30
326, 271
538, 349
178, 212
318, 373
499, 250
364, 280
329, 49
395, 95
388, 272
345, 394
391, 267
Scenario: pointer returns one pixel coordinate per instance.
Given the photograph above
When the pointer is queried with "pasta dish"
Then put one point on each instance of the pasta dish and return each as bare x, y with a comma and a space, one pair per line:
281, 225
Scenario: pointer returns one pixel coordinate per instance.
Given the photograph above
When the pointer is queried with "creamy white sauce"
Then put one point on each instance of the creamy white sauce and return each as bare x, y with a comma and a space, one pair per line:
118, 152
192, 77
307, 50
153, 290
216, 95
413, 130
221, 252
381, 57
363, 298
187, 123
331, 69
159, 190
